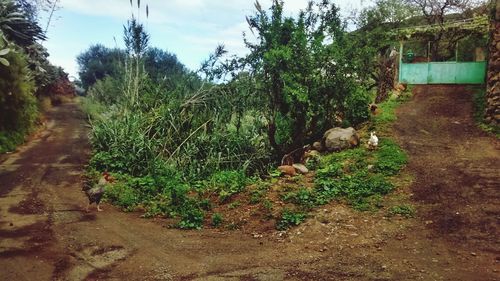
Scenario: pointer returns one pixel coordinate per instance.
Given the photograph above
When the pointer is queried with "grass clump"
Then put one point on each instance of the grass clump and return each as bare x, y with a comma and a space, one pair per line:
217, 220
404, 210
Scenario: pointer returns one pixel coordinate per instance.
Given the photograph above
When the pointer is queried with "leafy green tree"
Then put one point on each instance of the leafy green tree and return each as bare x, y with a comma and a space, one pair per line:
301, 71
373, 43
98, 62
18, 109
438, 13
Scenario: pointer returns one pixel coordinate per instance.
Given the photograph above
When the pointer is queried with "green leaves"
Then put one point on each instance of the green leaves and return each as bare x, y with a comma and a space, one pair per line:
4, 61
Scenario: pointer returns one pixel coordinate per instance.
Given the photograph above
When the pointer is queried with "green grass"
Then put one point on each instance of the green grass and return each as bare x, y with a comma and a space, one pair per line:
404, 210
387, 111
346, 176
10, 140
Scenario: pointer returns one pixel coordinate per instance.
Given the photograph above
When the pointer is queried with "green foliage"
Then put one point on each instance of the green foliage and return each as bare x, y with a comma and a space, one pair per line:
17, 26
136, 38
107, 91
18, 107
228, 183
289, 219
390, 159
406, 211
479, 103
191, 218
217, 220
356, 107
303, 82
303, 197
97, 62
346, 175
122, 145
123, 195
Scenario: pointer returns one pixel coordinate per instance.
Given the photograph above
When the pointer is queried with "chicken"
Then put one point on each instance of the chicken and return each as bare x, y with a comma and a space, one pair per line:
373, 141
96, 192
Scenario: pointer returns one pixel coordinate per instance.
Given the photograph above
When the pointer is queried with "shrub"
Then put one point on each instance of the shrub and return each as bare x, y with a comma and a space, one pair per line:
123, 195
217, 219
191, 218
357, 107
107, 91
228, 183
289, 219
18, 106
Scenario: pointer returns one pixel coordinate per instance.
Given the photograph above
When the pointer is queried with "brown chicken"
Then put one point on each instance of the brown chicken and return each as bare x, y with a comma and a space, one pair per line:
96, 192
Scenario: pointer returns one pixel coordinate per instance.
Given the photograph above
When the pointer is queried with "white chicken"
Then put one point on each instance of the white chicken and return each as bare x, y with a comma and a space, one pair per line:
373, 141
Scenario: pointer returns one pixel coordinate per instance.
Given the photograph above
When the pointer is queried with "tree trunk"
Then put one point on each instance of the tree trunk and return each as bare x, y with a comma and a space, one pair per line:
385, 84
492, 113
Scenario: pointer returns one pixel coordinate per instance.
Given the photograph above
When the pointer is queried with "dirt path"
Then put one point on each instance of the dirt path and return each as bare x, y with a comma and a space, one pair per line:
45, 235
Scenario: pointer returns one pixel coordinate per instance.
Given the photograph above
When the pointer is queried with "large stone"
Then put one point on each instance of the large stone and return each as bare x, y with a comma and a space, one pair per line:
337, 139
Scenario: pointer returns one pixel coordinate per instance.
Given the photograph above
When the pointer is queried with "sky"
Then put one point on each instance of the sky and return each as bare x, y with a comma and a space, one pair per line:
191, 29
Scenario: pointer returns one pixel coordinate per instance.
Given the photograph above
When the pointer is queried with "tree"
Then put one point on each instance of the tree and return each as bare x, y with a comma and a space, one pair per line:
97, 62
439, 12
301, 70
373, 42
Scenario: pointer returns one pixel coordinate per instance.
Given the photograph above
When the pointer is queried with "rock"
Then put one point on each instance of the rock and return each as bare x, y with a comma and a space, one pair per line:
301, 168
287, 170
338, 139
311, 154
317, 145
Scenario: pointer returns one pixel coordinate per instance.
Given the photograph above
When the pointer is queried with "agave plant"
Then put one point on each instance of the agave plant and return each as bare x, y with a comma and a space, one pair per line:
16, 26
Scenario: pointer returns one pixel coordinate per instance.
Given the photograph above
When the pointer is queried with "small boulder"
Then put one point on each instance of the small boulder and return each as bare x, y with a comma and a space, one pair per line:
338, 139
301, 168
287, 170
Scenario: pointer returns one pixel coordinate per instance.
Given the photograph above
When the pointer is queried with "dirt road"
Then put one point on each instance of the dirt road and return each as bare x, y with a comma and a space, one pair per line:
46, 235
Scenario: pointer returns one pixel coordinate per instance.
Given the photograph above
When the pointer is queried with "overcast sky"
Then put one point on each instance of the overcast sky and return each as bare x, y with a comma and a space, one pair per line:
191, 29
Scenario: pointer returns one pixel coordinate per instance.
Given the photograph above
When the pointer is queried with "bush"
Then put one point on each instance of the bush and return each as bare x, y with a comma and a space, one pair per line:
191, 218
228, 183
217, 219
18, 106
107, 91
357, 107
290, 218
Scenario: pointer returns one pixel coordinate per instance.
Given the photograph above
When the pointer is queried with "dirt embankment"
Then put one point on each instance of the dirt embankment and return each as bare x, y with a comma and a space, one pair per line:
45, 235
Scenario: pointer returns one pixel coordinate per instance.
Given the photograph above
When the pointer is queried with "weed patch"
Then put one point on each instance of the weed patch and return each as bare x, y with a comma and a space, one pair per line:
289, 219
406, 211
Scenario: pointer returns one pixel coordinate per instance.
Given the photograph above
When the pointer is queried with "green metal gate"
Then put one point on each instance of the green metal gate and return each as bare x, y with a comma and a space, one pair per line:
443, 73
